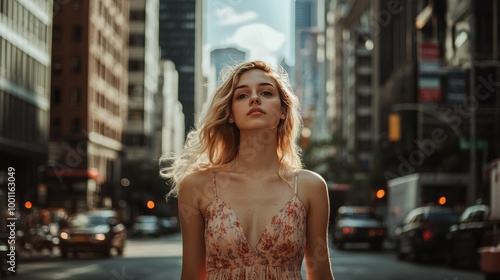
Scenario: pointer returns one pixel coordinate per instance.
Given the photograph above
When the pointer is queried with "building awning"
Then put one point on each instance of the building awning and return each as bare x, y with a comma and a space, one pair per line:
423, 17
89, 173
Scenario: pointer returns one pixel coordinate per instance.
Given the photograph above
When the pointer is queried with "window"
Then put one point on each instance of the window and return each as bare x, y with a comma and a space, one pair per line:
136, 40
55, 127
3, 50
56, 96
76, 125
137, 15
484, 29
77, 5
74, 96
76, 33
136, 115
136, 65
76, 65
3, 6
56, 66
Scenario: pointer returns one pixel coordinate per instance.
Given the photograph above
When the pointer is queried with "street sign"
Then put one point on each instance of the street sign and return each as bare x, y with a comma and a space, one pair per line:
429, 86
480, 144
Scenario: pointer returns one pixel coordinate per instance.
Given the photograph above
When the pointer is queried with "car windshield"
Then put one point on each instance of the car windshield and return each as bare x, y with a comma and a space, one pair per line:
85, 220
147, 219
443, 218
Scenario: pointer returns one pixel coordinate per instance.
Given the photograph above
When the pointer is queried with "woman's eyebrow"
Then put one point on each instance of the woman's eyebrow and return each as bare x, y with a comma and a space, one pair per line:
260, 85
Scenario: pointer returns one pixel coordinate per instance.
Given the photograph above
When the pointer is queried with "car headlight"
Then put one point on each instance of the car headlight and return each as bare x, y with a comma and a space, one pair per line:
64, 235
100, 236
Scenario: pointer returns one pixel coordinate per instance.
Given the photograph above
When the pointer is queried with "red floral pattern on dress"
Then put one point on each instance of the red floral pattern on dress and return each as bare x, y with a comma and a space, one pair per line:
278, 254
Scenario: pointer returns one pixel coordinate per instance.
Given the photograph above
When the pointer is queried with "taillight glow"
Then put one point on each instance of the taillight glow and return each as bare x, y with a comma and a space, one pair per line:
427, 234
347, 230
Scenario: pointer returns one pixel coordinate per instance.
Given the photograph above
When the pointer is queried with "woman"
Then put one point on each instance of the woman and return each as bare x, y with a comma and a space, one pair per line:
247, 209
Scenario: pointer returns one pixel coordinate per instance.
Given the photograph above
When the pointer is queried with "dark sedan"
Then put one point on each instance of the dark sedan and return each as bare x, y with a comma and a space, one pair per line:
423, 233
467, 237
93, 231
358, 224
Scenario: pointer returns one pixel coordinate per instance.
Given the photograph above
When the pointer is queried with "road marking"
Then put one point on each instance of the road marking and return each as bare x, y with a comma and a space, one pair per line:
76, 271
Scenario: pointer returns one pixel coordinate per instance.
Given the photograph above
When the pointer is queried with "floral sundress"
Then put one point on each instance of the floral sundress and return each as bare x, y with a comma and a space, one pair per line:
278, 254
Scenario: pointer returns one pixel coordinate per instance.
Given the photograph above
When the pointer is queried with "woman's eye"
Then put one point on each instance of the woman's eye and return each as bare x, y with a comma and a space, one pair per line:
266, 93
241, 96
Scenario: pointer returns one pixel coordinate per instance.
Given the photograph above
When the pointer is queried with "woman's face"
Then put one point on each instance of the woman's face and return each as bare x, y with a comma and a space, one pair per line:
256, 102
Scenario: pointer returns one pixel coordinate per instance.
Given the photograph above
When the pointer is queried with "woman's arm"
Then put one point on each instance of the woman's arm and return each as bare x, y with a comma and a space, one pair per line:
192, 228
317, 254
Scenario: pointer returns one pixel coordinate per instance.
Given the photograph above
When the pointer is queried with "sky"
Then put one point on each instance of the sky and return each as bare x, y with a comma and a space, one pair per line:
261, 27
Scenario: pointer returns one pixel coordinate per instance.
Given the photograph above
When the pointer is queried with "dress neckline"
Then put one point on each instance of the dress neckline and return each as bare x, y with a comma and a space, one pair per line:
266, 228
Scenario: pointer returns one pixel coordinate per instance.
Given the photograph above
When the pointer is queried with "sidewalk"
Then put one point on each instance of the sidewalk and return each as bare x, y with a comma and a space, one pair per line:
33, 255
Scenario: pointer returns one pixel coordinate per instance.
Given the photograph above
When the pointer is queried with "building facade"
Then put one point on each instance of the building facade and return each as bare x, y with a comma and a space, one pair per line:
25, 63
143, 73
88, 103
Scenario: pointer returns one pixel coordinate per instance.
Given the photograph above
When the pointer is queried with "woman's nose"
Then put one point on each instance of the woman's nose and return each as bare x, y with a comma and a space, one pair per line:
254, 98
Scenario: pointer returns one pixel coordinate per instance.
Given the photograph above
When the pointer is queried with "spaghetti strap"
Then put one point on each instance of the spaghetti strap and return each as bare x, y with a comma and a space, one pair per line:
296, 188
213, 183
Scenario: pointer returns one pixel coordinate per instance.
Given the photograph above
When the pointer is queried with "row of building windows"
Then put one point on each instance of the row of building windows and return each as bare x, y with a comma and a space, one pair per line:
106, 46
23, 22
104, 73
56, 126
58, 5
58, 33
106, 130
103, 102
22, 69
109, 17
74, 96
75, 127
58, 65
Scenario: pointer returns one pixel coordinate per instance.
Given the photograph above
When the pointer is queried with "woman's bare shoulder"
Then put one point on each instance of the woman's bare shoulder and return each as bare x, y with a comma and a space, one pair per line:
312, 188
311, 180
198, 184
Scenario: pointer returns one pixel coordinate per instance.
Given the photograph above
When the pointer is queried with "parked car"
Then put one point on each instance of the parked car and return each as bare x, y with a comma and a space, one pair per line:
146, 225
168, 225
358, 224
466, 237
423, 233
93, 231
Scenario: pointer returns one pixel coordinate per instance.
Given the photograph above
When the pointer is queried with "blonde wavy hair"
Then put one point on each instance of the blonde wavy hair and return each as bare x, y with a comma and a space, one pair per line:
214, 142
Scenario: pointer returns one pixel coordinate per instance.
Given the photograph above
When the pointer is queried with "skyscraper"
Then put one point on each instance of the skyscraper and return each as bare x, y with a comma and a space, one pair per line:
177, 42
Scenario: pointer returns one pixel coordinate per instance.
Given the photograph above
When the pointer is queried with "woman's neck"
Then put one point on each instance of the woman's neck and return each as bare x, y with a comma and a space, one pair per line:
257, 152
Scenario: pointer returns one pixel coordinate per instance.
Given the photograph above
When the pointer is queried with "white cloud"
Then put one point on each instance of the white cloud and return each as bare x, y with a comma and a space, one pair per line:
262, 40
228, 16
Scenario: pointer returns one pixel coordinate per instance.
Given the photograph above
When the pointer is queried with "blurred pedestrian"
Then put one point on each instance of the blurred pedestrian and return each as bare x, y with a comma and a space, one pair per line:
247, 208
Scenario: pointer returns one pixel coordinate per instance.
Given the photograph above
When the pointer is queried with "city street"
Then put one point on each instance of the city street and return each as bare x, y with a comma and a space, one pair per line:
160, 258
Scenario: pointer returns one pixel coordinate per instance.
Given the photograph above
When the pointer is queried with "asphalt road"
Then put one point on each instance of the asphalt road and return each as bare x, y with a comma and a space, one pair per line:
160, 258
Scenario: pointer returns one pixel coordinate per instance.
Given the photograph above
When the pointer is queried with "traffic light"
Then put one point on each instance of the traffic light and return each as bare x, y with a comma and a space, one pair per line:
442, 200
150, 204
394, 127
28, 204
380, 193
